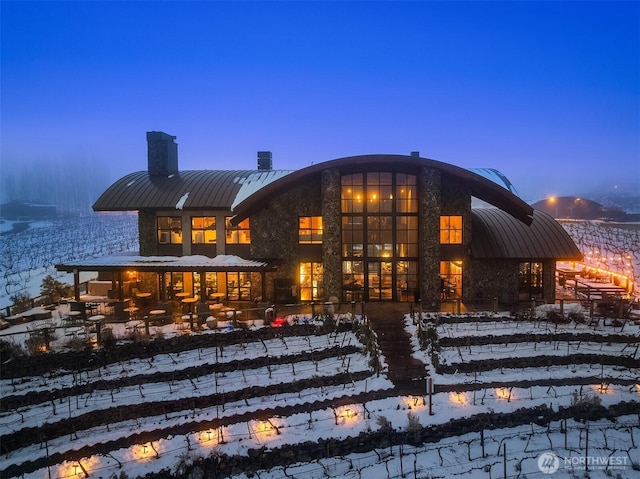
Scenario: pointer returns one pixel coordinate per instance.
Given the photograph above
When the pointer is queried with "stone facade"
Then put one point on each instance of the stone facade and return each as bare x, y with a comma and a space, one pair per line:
147, 233
274, 230
331, 233
429, 190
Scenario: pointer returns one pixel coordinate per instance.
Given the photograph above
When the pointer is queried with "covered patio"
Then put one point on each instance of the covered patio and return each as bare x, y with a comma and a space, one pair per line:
130, 287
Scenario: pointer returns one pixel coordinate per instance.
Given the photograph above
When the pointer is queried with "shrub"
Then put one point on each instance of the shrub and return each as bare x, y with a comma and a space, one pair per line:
21, 302
10, 350
54, 290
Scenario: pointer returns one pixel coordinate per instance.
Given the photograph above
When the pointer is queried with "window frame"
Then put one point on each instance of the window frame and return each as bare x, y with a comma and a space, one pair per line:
234, 234
312, 233
450, 232
204, 229
174, 234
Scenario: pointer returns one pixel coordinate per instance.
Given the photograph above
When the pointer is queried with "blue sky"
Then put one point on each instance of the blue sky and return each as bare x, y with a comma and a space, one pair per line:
547, 92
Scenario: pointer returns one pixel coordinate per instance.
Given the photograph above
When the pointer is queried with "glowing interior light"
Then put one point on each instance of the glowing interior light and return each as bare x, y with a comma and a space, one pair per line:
458, 398
503, 393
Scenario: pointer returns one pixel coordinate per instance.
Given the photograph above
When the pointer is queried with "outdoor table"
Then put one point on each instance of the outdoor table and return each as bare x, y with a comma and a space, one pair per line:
157, 312
144, 297
182, 295
215, 307
189, 302
217, 296
132, 310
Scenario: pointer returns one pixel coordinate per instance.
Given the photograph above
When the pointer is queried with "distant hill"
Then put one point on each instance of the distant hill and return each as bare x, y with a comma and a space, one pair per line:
18, 210
573, 207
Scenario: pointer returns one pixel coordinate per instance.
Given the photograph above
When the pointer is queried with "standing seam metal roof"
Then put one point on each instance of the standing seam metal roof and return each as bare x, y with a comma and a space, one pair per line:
496, 234
216, 189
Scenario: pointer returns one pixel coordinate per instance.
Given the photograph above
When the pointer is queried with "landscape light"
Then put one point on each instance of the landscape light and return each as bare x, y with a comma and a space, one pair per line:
503, 393
458, 398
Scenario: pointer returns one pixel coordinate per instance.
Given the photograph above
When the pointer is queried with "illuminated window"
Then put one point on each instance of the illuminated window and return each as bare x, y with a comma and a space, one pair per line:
238, 234
239, 286
311, 281
310, 230
451, 230
379, 235
450, 279
530, 279
406, 193
169, 230
203, 230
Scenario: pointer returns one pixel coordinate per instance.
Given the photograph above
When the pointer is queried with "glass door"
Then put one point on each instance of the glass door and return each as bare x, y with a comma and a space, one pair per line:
380, 280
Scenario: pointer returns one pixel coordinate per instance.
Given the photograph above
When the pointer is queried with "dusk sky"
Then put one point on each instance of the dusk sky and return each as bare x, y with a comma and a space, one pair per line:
546, 92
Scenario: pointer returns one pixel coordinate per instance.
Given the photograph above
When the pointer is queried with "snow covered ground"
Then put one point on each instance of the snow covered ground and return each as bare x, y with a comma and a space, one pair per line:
464, 456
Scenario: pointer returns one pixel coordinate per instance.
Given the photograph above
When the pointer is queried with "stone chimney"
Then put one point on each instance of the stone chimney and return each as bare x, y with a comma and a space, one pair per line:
162, 154
264, 160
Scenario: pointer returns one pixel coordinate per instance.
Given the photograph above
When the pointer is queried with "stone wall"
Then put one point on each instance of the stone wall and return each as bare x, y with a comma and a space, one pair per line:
274, 230
492, 279
147, 233
331, 233
429, 182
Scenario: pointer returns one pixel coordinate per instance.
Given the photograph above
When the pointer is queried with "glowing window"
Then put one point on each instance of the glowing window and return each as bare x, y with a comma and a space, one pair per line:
310, 230
311, 281
169, 229
451, 230
240, 234
203, 230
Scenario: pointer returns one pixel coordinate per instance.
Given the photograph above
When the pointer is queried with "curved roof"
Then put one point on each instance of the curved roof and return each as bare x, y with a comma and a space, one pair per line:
498, 235
497, 177
213, 189
480, 186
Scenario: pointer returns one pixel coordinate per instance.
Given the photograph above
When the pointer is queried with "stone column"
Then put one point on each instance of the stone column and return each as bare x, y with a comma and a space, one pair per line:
331, 233
429, 184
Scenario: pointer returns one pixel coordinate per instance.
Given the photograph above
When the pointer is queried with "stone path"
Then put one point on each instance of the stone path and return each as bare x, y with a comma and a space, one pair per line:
407, 373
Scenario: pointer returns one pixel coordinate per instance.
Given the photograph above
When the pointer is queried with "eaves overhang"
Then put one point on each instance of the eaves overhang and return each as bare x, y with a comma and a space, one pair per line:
479, 186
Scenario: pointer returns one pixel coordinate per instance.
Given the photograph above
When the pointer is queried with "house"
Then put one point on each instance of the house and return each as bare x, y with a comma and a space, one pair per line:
361, 228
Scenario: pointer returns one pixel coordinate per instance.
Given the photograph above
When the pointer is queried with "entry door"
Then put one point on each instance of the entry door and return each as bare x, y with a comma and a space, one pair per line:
380, 280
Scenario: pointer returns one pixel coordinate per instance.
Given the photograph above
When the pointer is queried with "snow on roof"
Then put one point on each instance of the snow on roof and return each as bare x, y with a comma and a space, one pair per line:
132, 261
497, 177
255, 181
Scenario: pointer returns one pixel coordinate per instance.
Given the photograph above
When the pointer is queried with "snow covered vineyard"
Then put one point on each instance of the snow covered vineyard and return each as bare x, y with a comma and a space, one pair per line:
303, 401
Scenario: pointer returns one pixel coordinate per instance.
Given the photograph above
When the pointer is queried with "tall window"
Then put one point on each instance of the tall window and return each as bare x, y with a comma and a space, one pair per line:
239, 286
203, 230
451, 230
240, 234
379, 235
169, 230
310, 230
451, 279
530, 279
311, 281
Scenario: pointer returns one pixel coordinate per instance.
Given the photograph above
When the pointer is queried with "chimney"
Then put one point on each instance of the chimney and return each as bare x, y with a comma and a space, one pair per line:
162, 154
264, 160
415, 154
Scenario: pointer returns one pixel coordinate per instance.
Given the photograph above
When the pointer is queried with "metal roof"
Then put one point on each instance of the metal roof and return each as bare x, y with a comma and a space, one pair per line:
496, 234
497, 177
192, 189
166, 263
480, 187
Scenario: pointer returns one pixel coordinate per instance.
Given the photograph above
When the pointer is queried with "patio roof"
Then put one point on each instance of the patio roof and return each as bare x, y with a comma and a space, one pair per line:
166, 263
